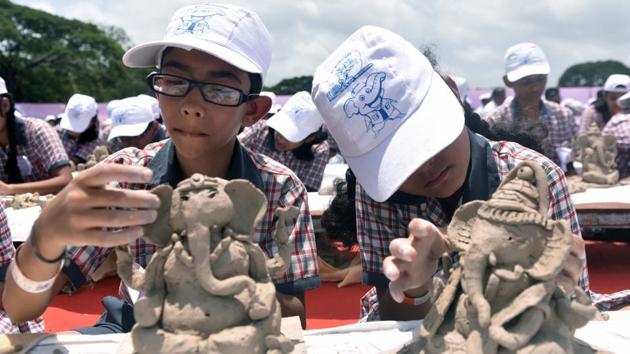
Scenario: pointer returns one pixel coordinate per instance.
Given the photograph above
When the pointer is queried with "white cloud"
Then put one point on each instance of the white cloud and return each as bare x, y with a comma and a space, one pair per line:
470, 37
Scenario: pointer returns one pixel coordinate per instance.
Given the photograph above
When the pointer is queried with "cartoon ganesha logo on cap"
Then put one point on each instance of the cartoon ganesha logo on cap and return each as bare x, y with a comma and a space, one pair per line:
368, 96
195, 22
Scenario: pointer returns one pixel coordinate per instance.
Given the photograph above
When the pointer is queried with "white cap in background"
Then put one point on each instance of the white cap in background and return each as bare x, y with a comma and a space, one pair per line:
79, 112
525, 59
297, 119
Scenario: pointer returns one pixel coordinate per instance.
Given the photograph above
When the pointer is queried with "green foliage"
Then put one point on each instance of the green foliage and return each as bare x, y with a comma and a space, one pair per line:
592, 73
292, 85
47, 58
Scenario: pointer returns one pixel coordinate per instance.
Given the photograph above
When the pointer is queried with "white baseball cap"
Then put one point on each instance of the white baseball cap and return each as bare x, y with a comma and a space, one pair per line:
130, 117
298, 118
617, 83
525, 59
230, 33
275, 106
153, 103
3, 87
111, 105
79, 112
386, 108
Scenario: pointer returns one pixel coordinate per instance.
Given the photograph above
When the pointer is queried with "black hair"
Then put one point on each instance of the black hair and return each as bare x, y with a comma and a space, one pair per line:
532, 135
11, 166
305, 151
601, 106
91, 133
255, 79
339, 220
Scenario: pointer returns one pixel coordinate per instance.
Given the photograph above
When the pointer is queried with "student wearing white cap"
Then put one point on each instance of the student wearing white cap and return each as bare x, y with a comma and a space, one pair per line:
293, 137
526, 70
604, 108
211, 65
32, 157
402, 132
619, 127
134, 125
79, 127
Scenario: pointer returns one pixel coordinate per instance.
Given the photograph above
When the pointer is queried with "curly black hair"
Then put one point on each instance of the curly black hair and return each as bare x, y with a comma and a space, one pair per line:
339, 220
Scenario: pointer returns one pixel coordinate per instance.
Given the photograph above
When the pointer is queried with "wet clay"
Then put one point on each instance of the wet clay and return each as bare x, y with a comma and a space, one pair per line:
208, 287
502, 295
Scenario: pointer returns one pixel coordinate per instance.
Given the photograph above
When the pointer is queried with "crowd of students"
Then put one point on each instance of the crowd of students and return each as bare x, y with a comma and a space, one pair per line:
400, 126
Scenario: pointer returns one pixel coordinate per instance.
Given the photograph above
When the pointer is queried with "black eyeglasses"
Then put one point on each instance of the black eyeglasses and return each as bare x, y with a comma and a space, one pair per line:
176, 86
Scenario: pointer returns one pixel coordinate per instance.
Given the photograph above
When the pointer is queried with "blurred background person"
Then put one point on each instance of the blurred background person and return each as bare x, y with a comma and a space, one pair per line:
79, 128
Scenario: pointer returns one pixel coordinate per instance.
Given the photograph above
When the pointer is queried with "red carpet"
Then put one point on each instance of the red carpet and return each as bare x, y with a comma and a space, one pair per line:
329, 306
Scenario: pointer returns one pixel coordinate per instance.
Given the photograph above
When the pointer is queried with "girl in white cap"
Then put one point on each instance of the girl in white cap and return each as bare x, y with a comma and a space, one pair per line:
605, 107
79, 128
294, 137
32, 158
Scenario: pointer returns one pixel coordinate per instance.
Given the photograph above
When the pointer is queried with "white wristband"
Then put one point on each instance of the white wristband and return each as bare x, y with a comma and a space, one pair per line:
417, 301
29, 285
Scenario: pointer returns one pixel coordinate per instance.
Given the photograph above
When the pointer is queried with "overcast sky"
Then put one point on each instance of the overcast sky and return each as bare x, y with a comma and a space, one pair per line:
469, 36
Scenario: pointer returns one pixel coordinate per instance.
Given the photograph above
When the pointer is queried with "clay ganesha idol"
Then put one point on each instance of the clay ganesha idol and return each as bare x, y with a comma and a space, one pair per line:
208, 286
502, 296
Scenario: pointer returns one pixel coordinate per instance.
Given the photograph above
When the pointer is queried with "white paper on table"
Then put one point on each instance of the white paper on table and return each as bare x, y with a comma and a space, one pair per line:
20, 222
611, 195
361, 338
80, 344
332, 171
612, 335
317, 203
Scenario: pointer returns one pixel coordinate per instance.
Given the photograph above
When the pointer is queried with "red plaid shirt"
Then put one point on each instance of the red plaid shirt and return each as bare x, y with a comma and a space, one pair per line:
557, 120
38, 145
619, 127
256, 138
73, 148
7, 252
379, 223
279, 184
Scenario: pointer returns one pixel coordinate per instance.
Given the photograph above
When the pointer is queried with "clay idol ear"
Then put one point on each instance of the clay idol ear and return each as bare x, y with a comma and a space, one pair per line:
249, 205
557, 249
460, 228
159, 232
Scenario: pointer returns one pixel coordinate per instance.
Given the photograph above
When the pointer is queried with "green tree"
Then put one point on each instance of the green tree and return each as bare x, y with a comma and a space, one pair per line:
47, 58
592, 73
292, 85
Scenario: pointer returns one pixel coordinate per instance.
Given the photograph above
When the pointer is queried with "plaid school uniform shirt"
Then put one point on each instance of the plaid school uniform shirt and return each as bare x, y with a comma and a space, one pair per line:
380, 223
74, 149
590, 116
619, 127
7, 252
280, 186
39, 150
257, 139
557, 120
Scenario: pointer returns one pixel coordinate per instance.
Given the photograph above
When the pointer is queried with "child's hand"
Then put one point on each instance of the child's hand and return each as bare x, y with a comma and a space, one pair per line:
414, 259
88, 209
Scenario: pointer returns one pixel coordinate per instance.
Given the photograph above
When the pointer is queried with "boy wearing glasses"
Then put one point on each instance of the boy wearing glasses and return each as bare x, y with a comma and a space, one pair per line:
211, 65
526, 70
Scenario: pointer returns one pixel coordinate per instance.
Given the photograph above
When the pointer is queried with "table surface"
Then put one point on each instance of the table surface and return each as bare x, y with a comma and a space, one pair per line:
363, 338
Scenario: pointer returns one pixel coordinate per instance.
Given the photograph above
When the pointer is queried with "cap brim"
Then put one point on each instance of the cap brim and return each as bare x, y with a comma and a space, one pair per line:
127, 130
146, 55
527, 70
73, 125
435, 125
